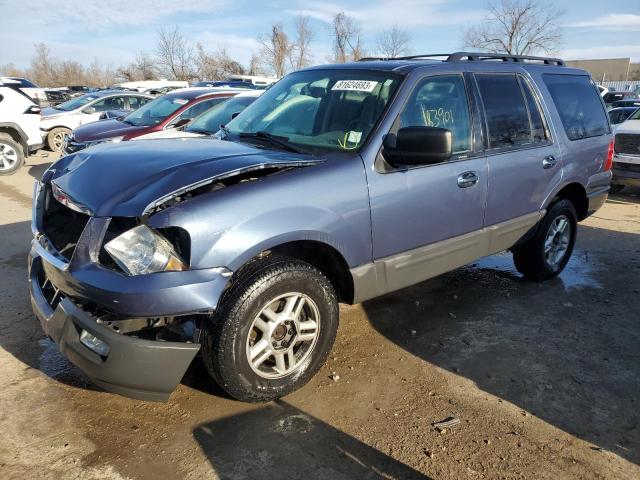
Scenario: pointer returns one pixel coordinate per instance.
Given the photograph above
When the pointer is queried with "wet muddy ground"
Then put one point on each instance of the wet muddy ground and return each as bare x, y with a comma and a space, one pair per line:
545, 379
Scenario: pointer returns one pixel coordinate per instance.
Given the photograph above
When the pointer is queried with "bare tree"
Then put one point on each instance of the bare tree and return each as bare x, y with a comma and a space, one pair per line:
216, 66
175, 54
42, 68
394, 42
300, 53
276, 48
347, 41
517, 27
255, 65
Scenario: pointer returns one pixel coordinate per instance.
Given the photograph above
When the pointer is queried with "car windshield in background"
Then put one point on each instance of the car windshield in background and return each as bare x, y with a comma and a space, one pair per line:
635, 115
75, 103
320, 110
155, 111
210, 121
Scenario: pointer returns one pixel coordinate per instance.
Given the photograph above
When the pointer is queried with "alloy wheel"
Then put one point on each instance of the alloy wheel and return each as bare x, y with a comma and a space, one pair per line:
283, 335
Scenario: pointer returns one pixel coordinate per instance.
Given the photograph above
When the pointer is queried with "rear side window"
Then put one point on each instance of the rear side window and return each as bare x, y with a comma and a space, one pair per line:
578, 103
505, 109
538, 130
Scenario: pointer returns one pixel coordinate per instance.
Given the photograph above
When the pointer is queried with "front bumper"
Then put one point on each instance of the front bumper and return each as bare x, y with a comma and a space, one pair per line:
136, 368
626, 170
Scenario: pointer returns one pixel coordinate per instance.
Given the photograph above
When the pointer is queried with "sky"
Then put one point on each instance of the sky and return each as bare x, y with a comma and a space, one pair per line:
113, 31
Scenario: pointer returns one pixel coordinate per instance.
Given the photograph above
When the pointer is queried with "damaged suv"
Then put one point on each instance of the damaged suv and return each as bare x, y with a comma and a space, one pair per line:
339, 184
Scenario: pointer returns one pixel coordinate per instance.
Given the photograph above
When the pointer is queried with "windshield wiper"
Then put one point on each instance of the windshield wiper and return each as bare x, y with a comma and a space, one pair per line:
278, 141
197, 130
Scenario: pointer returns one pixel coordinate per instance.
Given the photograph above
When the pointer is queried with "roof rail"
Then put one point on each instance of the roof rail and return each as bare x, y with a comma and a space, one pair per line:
472, 57
505, 57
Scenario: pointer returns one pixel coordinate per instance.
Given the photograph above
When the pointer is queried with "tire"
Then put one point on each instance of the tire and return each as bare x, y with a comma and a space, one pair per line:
615, 189
530, 258
11, 155
264, 287
55, 138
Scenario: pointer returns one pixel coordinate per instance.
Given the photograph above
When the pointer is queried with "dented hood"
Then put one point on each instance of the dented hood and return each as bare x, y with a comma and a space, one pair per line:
124, 179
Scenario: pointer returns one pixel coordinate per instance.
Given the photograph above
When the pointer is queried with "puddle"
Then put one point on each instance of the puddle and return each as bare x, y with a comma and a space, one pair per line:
579, 272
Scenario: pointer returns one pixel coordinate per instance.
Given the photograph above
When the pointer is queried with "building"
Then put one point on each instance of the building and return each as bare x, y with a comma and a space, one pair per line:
609, 69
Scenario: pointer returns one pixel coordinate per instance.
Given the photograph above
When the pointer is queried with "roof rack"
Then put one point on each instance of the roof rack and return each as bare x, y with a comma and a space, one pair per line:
475, 56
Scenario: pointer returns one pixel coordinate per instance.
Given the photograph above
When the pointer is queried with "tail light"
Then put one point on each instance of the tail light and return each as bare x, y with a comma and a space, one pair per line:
608, 164
33, 109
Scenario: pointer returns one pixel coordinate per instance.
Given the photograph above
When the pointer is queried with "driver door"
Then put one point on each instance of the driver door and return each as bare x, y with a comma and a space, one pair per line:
428, 219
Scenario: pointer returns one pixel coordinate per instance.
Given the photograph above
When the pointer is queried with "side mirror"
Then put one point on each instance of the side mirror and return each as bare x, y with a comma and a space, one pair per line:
181, 123
89, 110
418, 146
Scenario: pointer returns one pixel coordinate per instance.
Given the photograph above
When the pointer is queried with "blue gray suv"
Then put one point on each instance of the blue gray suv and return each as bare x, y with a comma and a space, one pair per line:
340, 184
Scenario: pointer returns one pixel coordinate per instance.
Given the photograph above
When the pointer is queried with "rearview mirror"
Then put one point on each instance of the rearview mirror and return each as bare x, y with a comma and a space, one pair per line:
234, 115
88, 110
181, 123
418, 146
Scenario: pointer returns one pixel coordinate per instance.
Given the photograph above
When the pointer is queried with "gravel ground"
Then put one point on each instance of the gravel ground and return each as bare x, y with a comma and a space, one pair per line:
544, 378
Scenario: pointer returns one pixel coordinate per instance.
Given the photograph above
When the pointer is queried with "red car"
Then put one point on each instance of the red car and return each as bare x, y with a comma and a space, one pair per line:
168, 111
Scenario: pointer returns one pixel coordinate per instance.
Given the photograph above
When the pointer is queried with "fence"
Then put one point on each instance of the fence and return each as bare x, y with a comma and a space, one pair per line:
622, 86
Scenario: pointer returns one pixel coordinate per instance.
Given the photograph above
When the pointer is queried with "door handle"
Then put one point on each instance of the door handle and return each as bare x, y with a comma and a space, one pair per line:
467, 179
549, 162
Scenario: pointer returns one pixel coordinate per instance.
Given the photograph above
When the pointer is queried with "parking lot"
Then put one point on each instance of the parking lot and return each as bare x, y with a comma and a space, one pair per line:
544, 378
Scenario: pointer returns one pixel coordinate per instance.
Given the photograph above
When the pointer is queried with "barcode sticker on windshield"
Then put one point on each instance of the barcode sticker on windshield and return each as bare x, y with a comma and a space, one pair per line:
355, 85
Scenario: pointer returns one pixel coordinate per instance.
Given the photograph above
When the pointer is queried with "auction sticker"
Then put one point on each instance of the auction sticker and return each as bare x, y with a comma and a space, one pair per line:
355, 85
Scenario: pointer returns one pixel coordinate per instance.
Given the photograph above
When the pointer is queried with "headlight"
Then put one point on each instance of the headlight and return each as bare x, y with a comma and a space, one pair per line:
141, 250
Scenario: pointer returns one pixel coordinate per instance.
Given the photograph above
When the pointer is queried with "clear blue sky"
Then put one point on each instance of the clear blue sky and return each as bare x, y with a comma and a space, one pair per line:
114, 30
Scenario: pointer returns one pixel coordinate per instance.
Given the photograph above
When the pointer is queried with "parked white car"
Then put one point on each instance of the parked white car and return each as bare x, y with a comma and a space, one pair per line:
59, 121
19, 128
144, 85
37, 94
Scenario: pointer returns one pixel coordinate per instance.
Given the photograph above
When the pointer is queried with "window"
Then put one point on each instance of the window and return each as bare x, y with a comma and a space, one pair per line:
109, 103
441, 102
505, 110
198, 109
538, 131
210, 121
155, 111
578, 104
136, 102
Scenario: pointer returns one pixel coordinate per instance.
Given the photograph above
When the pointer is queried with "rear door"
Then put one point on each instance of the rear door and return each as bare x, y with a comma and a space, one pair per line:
524, 161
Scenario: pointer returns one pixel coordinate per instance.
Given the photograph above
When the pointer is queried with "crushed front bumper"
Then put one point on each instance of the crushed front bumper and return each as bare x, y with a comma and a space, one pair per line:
134, 367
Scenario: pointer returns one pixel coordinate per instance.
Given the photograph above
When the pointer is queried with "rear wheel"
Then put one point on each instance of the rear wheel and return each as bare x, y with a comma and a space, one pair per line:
273, 330
11, 155
55, 138
546, 254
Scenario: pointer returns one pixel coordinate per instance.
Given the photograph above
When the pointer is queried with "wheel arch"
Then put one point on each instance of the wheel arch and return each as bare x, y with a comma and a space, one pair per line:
16, 133
321, 255
576, 194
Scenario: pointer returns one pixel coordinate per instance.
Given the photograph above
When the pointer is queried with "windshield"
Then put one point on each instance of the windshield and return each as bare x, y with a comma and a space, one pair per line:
155, 111
210, 121
320, 109
635, 115
75, 103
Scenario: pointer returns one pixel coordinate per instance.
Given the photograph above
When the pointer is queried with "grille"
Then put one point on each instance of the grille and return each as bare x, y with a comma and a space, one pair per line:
61, 225
628, 143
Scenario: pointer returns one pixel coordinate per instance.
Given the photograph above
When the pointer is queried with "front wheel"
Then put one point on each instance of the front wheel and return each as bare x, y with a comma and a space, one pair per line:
273, 329
546, 254
55, 138
11, 155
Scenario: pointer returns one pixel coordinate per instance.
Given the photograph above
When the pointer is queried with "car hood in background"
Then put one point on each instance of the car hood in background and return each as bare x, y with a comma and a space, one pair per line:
628, 126
104, 129
124, 179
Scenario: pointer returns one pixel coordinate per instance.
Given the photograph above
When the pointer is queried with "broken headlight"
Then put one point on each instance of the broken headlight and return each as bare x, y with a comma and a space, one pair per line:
142, 250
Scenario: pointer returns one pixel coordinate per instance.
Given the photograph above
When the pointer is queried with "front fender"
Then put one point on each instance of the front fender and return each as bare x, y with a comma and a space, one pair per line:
327, 203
